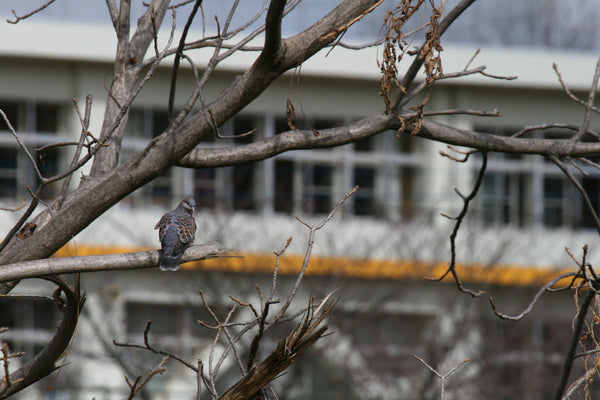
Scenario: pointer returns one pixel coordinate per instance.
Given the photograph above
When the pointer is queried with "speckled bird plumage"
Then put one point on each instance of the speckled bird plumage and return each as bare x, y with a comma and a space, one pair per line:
176, 230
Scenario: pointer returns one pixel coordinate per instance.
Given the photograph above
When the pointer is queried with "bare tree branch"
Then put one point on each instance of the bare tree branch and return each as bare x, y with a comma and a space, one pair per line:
442, 377
106, 262
589, 105
458, 221
139, 383
148, 346
575, 182
533, 302
570, 356
570, 94
417, 63
287, 352
29, 14
44, 362
311, 240
164, 150
178, 54
113, 11
543, 127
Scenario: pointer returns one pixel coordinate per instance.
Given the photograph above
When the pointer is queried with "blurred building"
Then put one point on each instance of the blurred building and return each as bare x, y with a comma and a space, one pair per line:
378, 248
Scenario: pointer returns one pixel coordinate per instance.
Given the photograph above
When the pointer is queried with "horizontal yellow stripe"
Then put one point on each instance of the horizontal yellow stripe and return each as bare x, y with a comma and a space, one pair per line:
364, 268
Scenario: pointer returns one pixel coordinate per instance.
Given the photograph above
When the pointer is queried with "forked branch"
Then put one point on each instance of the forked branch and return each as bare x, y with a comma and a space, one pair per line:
458, 221
289, 349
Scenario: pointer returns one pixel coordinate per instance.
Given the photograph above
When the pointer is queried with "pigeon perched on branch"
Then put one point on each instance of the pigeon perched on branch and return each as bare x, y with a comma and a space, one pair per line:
176, 231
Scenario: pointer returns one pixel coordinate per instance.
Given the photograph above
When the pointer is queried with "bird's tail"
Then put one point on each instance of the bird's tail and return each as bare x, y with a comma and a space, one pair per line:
169, 262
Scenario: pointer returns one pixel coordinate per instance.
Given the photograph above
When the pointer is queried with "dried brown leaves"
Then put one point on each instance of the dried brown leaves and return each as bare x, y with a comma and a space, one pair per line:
395, 46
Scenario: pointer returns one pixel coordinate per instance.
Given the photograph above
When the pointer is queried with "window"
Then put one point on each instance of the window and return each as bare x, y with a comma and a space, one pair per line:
525, 190
31, 323
408, 197
383, 338
243, 187
364, 199
174, 326
592, 188
204, 187
506, 196
284, 184
503, 198
29, 118
46, 117
144, 124
560, 203
308, 182
318, 181
527, 354
8, 172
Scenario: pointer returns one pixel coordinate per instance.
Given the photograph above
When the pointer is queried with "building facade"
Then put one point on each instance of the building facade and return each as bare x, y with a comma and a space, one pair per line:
387, 237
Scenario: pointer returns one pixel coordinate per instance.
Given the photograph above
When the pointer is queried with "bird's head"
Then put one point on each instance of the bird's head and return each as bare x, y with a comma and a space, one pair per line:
188, 205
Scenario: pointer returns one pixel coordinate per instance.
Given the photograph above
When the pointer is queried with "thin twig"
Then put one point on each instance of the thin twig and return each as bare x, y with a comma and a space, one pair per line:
579, 187
32, 206
85, 124
458, 221
37, 10
139, 383
589, 105
23, 146
147, 346
12, 209
466, 154
178, 54
533, 302
442, 377
452, 75
311, 239
568, 92
543, 127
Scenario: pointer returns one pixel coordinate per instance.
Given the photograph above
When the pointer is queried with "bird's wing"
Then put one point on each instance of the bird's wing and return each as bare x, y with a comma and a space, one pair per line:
186, 228
163, 225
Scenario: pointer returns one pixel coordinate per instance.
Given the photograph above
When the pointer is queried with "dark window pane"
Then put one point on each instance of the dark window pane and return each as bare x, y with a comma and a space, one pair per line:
160, 189
46, 117
160, 122
553, 195
323, 123
504, 199
284, 183
408, 207
8, 172
318, 181
204, 187
242, 125
243, 187
11, 109
166, 319
135, 123
592, 188
404, 143
364, 199
281, 125
49, 164
366, 144
32, 314
43, 315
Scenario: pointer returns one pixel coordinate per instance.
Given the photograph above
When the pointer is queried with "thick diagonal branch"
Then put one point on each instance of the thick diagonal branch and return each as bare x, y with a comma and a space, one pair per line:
85, 205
